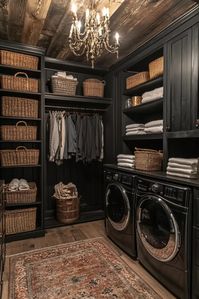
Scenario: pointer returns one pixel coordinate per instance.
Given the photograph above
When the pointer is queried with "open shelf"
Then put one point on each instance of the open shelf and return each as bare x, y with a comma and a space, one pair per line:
143, 137
19, 118
18, 93
145, 108
20, 141
149, 85
10, 69
20, 166
28, 204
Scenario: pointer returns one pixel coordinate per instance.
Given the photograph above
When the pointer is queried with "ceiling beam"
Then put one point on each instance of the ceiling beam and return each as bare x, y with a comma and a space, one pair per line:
36, 13
17, 9
4, 19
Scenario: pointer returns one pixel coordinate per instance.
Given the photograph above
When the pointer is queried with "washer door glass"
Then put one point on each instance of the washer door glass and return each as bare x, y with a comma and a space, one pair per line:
117, 206
157, 228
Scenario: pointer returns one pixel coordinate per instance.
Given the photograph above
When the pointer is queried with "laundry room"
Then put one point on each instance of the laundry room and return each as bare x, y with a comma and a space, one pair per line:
99, 149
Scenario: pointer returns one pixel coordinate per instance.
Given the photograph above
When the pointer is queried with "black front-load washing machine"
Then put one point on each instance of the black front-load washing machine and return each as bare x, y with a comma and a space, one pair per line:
163, 221
120, 210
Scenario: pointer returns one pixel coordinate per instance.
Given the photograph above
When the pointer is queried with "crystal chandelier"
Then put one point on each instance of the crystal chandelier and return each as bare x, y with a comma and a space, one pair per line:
94, 38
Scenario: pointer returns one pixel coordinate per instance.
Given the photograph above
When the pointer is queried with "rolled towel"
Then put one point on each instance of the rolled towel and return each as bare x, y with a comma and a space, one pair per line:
187, 176
180, 170
131, 126
130, 165
125, 156
156, 129
185, 161
23, 185
180, 166
154, 123
13, 185
125, 160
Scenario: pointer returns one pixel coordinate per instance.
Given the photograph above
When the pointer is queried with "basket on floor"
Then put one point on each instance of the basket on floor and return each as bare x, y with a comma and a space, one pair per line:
148, 159
19, 83
19, 60
21, 220
137, 79
21, 196
19, 156
67, 210
65, 86
21, 131
156, 68
20, 107
93, 88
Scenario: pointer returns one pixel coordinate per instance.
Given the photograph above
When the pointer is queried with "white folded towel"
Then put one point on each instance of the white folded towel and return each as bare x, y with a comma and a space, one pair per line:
126, 165
155, 129
182, 166
135, 132
125, 160
150, 99
132, 126
185, 161
180, 170
13, 185
125, 156
134, 129
23, 185
188, 176
157, 91
158, 122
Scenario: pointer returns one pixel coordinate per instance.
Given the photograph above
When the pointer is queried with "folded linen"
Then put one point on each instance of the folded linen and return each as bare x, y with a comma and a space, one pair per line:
134, 129
153, 123
157, 91
131, 126
182, 166
125, 160
183, 175
130, 165
13, 185
150, 99
135, 133
180, 170
155, 129
125, 156
23, 185
185, 161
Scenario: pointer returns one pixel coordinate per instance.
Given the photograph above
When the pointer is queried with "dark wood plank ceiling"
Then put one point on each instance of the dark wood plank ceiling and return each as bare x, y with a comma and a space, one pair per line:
46, 23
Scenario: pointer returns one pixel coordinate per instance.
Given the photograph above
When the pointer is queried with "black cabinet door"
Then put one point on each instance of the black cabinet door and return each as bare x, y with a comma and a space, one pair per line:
182, 81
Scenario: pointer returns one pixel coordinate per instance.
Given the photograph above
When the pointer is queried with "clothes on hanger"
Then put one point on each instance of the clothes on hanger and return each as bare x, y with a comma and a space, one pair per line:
78, 135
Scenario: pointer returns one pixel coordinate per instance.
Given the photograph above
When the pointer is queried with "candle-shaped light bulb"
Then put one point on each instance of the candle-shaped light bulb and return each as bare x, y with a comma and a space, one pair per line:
117, 38
79, 25
100, 31
87, 14
104, 11
74, 9
98, 18
71, 31
107, 12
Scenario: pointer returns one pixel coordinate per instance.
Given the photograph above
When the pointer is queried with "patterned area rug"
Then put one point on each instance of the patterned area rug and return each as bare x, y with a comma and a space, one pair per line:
86, 269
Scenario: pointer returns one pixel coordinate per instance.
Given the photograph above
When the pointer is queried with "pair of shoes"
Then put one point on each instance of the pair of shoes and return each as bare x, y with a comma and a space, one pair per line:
17, 184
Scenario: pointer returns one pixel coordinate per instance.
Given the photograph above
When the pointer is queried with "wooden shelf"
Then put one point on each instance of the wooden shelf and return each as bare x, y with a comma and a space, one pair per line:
20, 166
14, 69
183, 134
146, 108
18, 93
19, 118
142, 137
17, 205
20, 141
149, 85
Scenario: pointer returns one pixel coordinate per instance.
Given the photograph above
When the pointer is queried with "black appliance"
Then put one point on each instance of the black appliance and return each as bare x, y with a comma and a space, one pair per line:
163, 222
120, 210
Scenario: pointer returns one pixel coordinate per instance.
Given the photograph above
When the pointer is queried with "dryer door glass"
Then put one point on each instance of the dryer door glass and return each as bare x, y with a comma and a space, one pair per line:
157, 228
117, 206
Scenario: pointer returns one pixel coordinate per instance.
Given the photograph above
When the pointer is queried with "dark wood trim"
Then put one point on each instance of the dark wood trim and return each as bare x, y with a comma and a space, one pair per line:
7, 45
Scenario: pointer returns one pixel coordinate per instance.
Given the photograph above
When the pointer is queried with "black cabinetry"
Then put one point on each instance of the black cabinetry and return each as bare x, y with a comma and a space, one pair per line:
2, 234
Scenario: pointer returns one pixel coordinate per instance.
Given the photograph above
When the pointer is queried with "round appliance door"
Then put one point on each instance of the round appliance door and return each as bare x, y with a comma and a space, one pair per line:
117, 206
157, 228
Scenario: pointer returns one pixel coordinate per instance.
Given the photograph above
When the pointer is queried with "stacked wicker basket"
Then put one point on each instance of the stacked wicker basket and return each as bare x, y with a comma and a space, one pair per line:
19, 220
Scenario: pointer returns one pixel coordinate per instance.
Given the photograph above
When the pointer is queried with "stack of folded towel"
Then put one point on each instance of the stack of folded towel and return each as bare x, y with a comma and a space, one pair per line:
126, 160
186, 168
155, 126
135, 129
152, 95
18, 185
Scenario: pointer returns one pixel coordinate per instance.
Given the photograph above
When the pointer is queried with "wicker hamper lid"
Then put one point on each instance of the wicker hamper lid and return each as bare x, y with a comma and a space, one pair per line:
93, 80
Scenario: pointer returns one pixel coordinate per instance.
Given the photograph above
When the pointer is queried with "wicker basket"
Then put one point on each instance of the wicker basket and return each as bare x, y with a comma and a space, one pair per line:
19, 83
18, 132
21, 196
137, 79
148, 159
19, 60
67, 209
20, 156
156, 68
21, 220
93, 88
64, 86
20, 107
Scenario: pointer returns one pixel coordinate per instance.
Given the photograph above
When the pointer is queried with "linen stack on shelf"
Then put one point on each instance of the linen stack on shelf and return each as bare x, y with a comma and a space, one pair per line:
181, 167
126, 160
135, 129
63, 75
152, 95
154, 127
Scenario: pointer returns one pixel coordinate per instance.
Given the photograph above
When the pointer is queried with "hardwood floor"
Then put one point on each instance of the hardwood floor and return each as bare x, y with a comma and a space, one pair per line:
74, 233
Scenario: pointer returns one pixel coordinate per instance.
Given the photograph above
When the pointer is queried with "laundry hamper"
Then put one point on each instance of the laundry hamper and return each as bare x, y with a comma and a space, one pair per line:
137, 79
20, 107
19, 83
65, 86
93, 88
19, 60
19, 156
148, 159
21, 131
20, 220
156, 68
21, 196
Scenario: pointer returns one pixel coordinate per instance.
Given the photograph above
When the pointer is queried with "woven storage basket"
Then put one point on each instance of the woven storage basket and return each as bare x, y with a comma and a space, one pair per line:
21, 220
64, 86
21, 196
19, 83
19, 60
148, 159
156, 68
137, 79
18, 132
20, 107
20, 156
67, 209
93, 88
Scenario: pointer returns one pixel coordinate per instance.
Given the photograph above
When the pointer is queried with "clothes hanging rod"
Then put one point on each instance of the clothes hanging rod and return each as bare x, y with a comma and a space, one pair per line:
74, 108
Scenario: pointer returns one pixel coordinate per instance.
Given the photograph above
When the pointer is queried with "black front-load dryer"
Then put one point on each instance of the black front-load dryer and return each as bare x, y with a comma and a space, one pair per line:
120, 210
163, 221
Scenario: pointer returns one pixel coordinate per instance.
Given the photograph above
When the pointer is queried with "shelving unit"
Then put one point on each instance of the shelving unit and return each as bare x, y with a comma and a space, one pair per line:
142, 137
140, 89
28, 172
145, 108
2, 234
